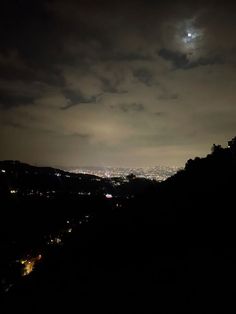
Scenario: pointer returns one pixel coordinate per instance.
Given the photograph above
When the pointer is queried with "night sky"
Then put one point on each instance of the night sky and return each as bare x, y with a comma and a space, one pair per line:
116, 83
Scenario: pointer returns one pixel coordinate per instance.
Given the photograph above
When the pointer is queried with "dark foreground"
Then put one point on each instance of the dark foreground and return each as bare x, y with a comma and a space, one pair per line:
163, 248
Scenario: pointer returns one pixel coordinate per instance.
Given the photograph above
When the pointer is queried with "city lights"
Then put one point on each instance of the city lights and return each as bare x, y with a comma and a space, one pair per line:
109, 196
29, 264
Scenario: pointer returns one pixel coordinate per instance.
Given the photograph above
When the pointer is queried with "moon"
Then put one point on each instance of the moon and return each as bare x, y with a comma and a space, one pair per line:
189, 38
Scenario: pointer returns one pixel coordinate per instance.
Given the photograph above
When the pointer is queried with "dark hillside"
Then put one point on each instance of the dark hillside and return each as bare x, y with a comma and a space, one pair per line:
169, 249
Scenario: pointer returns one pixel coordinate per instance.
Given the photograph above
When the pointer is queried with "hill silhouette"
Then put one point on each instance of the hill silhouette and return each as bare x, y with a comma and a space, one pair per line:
170, 248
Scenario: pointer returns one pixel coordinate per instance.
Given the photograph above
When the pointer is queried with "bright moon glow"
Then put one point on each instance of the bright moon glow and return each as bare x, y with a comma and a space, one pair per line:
190, 37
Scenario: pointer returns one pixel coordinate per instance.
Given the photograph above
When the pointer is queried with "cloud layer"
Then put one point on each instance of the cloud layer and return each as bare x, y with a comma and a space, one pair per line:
127, 84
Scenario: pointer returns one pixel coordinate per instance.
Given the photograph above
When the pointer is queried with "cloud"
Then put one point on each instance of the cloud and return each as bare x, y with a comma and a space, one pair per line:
76, 98
111, 82
126, 108
8, 100
20, 93
182, 61
144, 76
178, 59
112, 86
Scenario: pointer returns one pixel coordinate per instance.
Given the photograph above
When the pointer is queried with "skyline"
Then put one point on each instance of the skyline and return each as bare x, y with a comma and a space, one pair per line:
134, 84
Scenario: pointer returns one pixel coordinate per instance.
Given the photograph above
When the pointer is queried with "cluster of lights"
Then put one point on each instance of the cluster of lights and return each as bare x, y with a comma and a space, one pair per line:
55, 241
29, 264
84, 193
153, 173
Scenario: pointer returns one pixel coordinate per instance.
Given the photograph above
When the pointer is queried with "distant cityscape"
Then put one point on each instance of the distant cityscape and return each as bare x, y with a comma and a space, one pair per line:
112, 187
159, 173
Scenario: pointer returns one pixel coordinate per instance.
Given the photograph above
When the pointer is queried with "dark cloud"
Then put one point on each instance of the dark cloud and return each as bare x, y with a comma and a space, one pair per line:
8, 100
134, 107
130, 57
15, 93
178, 59
33, 23
182, 61
76, 98
112, 86
144, 76
13, 66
